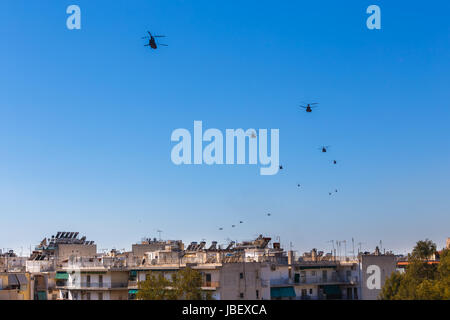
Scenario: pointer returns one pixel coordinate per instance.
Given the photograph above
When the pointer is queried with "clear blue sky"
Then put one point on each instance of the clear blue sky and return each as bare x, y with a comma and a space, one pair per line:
86, 118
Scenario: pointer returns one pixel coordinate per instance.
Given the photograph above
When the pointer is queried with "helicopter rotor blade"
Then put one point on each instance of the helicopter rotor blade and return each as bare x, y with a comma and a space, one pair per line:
161, 44
159, 36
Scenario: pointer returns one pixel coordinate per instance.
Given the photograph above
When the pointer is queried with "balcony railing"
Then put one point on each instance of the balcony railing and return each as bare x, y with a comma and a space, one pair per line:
211, 284
315, 280
94, 285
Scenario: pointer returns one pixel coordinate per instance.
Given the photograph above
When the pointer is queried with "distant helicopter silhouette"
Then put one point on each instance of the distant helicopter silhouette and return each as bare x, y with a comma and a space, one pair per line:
324, 148
309, 106
152, 41
334, 161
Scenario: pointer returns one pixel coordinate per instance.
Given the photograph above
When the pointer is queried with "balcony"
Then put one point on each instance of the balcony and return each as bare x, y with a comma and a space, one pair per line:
211, 284
334, 279
93, 286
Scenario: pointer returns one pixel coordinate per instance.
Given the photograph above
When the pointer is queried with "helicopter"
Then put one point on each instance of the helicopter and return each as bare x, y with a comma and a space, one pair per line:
334, 161
324, 148
309, 106
152, 41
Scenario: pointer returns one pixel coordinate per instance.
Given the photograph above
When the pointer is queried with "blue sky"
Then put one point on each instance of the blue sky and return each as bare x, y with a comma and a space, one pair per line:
86, 117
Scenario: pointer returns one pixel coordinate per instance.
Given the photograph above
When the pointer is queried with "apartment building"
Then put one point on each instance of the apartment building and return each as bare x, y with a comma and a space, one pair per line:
99, 278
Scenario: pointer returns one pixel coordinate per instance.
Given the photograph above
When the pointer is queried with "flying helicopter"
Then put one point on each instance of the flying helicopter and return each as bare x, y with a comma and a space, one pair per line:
152, 41
309, 106
324, 148
220, 228
334, 161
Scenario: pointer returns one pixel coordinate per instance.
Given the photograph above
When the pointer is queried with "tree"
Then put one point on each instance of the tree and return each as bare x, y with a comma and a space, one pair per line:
424, 249
155, 287
421, 280
183, 285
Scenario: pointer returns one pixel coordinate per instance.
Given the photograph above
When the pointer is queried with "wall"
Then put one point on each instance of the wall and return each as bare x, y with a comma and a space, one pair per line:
374, 272
80, 250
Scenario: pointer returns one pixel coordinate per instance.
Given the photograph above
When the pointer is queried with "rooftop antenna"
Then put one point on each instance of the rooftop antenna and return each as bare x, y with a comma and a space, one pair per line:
353, 248
345, 249
332, 242
360, 247
159, 233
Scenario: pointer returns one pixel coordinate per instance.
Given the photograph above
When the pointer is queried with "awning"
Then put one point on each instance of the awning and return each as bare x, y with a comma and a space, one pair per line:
132, 291
282, 292
12, 280
332, 290
62, 276
22, 279
42, 295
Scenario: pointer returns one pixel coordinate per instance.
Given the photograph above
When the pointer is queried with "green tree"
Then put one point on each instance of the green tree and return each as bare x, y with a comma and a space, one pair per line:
421, 279
424, 249
155, 287
183, 285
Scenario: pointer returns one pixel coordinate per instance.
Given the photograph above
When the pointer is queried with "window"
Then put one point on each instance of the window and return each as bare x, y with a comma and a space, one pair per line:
100, 281
324, 275
241, 275
313, 273
355, 293
88, 296
303, 276
88, 281
310, 291
241, 295
257, 294
100, 296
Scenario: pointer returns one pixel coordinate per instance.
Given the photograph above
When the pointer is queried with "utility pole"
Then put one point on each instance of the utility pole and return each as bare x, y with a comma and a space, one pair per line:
159, 233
